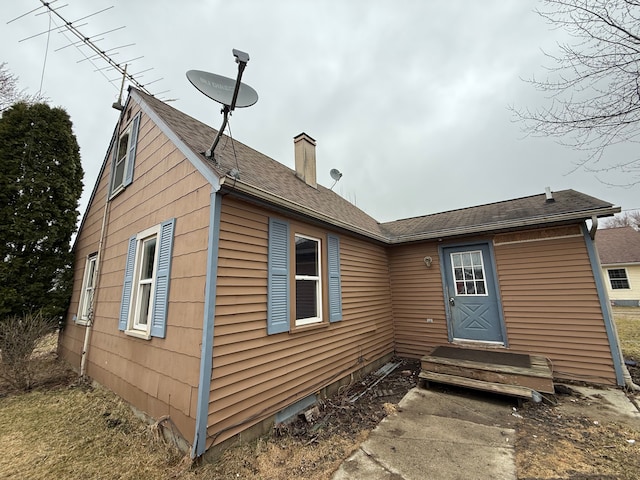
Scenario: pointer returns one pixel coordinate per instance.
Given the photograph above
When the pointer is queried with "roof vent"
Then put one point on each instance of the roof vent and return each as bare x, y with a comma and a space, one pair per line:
549, 195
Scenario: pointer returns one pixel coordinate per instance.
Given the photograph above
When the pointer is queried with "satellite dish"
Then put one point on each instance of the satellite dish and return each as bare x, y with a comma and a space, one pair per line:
221, 89
336, 175
230, 93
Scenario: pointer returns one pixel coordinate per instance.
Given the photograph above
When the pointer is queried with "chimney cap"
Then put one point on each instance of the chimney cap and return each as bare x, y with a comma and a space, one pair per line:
301, 135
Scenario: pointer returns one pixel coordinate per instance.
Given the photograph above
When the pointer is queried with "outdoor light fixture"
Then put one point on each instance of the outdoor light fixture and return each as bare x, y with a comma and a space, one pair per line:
428, 261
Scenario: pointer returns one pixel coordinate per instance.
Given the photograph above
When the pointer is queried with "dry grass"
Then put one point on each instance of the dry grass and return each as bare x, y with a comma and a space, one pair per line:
79, 432
628, 325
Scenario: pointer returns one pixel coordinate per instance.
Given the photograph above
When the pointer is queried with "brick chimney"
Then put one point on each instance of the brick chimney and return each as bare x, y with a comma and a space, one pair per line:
305, 153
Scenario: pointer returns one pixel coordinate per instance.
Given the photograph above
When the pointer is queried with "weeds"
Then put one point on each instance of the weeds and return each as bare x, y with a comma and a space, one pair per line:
19, 338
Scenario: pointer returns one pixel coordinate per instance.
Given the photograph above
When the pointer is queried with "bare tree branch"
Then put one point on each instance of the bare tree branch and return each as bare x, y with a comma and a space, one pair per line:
593, 85
10, 92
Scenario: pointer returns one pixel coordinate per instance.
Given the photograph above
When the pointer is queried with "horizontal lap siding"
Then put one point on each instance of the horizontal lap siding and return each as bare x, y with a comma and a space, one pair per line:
551, 306
158, 376
417, 295
256, 375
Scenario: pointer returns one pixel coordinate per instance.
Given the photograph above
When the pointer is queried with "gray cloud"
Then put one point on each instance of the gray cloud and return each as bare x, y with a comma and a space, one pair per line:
409, 100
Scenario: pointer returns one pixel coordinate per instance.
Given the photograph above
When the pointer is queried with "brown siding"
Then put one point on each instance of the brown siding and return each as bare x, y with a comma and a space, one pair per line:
256, 375
158, 376
549, 298
417, 296
551, 305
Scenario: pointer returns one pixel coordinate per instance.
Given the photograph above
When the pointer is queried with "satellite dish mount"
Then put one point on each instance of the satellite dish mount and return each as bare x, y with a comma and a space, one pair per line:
220, 89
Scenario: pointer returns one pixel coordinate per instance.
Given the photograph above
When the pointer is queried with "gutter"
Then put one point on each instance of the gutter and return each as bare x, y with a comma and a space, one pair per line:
505, 224
234, 184
238, 185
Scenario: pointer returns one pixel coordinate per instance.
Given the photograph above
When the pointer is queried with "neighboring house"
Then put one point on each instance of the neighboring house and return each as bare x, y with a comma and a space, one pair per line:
229, 295
619, 251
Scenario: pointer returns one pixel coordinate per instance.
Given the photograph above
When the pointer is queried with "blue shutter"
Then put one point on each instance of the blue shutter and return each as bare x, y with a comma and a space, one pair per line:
128, 283
131, 157
163, 271
335, 290
278, 284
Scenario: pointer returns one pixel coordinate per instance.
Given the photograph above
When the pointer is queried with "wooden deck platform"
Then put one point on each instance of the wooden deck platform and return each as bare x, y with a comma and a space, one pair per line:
498, 371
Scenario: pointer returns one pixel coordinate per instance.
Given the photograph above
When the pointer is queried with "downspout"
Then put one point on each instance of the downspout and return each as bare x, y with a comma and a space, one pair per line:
622, 373
88, 327
206, 354
103, 229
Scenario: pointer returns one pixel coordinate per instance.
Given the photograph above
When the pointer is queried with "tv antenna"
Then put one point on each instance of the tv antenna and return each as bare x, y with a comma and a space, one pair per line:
230, 93
336, 175
90, 41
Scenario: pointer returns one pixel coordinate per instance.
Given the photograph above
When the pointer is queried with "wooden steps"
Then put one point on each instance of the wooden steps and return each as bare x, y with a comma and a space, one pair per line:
498, 371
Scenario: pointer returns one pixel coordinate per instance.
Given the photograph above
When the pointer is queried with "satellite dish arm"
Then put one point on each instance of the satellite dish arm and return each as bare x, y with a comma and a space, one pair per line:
241, 58
225, 112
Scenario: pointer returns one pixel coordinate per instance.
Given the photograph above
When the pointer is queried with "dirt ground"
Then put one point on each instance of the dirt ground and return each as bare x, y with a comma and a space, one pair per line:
567, 437
63, 429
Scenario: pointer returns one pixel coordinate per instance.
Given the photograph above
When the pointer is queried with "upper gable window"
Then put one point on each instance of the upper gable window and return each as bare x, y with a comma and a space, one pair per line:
124, 155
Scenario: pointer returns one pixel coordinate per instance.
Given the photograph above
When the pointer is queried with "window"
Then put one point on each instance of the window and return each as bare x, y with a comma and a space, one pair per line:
308, 284
143, 288
124, 157
146, 282
304, 285
468, 272
88, 285
618, 279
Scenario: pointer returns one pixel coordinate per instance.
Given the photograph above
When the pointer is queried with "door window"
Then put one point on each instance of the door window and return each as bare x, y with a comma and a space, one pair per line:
468, 273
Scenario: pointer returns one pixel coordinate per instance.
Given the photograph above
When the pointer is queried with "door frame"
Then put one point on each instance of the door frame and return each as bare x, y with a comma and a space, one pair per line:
443, 275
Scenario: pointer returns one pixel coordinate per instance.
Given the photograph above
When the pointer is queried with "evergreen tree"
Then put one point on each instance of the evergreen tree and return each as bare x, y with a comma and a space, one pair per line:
40, 185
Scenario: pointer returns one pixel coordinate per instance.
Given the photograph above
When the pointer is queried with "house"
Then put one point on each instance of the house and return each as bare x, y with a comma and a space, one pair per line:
229, 294
619, 251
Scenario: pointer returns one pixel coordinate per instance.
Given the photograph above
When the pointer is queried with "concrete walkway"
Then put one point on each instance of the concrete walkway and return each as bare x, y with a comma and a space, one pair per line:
438, 436
446, 436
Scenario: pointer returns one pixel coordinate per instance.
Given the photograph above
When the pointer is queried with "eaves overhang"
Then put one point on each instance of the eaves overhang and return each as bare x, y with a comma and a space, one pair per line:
230, 183
233, 184
505, 225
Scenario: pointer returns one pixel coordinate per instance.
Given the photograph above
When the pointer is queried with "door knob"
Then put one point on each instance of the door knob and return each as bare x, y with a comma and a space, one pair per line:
452, 302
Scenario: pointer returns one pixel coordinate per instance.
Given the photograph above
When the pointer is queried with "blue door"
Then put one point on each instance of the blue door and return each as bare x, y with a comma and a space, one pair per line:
473, 307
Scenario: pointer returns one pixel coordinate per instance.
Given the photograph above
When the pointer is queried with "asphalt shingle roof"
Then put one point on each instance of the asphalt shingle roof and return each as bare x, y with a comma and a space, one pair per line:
268, 175
527, 210
618, 245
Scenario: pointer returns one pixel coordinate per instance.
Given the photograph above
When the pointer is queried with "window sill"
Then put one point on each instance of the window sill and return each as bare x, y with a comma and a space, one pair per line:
80, 321
297, 329
116, 192
138, 334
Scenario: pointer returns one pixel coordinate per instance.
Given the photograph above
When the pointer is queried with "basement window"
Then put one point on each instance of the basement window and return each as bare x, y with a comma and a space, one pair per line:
618, 279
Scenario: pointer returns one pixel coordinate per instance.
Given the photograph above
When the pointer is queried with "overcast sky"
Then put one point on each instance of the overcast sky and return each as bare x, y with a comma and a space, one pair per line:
409, 100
